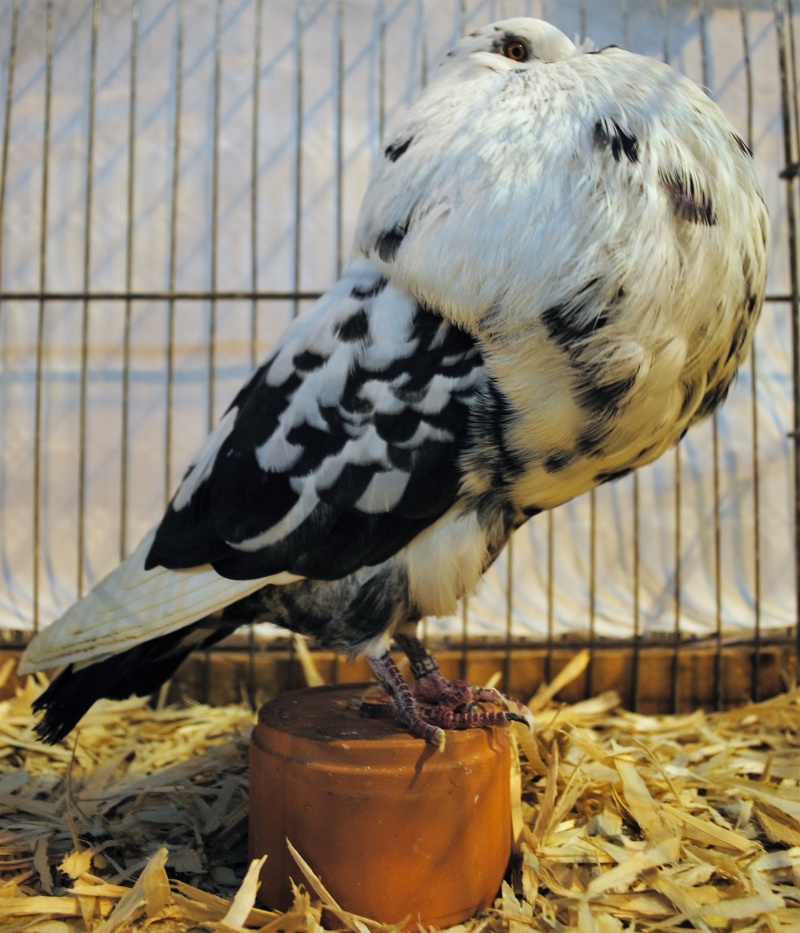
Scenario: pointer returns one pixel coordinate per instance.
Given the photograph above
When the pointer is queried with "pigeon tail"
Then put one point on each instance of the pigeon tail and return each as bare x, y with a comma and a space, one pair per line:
139, 671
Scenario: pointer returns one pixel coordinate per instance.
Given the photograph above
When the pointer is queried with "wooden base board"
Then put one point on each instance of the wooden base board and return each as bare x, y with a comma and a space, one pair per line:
652, 679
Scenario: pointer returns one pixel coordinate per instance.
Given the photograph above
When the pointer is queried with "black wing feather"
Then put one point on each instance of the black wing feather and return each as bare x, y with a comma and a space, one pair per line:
426, 389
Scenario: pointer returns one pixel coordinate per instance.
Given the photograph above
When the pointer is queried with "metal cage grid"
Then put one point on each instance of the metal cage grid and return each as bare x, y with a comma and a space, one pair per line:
257, 299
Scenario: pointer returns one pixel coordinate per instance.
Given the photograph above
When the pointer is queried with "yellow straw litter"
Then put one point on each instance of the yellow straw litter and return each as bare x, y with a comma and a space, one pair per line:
623, 822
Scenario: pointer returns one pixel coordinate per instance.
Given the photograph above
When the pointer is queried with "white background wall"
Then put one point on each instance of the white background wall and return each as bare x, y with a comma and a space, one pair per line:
365, 61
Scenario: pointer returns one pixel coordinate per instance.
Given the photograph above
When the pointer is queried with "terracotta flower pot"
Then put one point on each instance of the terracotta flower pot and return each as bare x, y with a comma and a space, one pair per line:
392, 827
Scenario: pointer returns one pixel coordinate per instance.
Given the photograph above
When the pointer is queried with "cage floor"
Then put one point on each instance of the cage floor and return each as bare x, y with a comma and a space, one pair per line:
624, 821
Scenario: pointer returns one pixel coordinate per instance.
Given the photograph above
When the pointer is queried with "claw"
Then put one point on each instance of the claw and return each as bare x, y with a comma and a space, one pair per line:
435, 703
406, 707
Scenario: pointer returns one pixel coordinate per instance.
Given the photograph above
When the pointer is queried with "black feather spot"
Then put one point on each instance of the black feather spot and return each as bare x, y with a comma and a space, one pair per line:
360, 292
254, 384
350, 484
409, 459
317, 445
609, 132
747, 265
374, 603
410, 394
307, 362
609, 476
689, 395
739, 337
397, 428
352, 400
394, 150
492, 319
260, 407
590, 443
497, 518
530, 510
743, 147
500, 417
691, 203
575, 319
569, 326
354, 328
558, 461
245, 510
750, 297
713, 398
388, 243
602, 398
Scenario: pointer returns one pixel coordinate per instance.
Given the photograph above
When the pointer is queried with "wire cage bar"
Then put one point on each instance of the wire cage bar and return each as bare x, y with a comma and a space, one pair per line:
179, 178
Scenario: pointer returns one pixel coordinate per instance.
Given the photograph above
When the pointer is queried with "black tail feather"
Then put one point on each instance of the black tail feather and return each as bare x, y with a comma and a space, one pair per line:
139, 671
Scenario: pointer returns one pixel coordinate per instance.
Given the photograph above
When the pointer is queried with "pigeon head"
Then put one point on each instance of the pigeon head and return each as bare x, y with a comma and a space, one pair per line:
512, 45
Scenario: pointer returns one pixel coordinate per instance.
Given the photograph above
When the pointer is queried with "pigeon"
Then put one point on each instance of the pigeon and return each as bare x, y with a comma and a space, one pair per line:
558, 266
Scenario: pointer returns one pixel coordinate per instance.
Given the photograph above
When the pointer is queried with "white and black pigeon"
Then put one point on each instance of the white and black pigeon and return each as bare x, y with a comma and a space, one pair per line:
558, 267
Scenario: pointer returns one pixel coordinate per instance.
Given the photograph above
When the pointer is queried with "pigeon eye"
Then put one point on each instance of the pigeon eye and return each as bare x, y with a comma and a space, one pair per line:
516, 50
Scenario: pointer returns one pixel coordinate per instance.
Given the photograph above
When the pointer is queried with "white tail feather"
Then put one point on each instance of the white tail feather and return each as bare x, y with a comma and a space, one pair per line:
133, 605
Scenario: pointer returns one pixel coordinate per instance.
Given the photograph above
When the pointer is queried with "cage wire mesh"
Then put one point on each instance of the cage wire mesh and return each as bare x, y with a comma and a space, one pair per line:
178, 178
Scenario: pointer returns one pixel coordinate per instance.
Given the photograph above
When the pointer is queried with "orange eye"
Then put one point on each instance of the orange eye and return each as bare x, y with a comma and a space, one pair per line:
516, 50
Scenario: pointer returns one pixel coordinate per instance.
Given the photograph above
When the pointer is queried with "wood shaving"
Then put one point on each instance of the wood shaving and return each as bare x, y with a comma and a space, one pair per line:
623, 822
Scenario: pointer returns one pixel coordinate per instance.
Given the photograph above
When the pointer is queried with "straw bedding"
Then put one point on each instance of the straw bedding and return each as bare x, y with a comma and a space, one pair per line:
623, 822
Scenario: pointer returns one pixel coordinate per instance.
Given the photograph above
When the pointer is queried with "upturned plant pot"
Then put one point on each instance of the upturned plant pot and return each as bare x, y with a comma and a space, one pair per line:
394, 828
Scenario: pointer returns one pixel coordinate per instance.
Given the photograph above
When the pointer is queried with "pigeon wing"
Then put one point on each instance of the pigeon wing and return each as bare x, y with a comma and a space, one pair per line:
340, 449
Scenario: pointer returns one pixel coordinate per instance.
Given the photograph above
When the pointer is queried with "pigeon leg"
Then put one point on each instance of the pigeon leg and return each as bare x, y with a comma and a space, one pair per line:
453, 703
406, 707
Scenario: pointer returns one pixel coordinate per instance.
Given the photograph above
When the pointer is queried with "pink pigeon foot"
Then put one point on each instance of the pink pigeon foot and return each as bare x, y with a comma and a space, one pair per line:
434, 703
